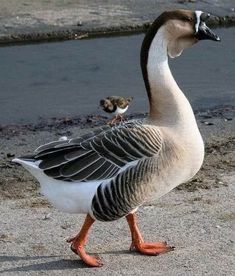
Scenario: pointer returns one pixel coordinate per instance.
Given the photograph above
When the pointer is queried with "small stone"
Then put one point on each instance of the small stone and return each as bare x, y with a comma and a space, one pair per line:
205, 116
7, 238
89, 120
227, 119
67, 121
47, 216
66, 225
10, 154
207, 123
80, 36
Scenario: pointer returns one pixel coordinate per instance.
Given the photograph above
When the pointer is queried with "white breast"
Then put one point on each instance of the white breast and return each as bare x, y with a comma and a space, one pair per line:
120, 110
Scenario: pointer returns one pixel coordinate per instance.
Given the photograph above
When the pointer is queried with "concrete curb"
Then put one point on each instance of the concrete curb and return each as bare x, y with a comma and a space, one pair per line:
23, 21
92, 32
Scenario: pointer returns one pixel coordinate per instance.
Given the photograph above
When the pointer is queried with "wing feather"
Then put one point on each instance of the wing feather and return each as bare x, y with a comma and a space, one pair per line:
101, 172
74, 167
101, 154
84, 173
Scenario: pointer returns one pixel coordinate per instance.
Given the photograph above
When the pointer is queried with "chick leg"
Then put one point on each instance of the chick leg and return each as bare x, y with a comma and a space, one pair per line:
117, 119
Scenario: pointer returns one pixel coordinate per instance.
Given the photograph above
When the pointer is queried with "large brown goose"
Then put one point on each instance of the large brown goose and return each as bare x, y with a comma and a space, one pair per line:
109, 173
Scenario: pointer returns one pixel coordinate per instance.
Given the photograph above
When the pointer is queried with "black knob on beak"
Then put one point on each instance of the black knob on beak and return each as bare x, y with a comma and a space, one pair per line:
205, 32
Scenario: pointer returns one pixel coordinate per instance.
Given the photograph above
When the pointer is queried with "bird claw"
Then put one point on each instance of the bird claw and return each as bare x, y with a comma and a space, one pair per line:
116, 120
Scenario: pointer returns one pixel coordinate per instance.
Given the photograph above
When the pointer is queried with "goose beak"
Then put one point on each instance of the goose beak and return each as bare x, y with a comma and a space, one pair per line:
206, 33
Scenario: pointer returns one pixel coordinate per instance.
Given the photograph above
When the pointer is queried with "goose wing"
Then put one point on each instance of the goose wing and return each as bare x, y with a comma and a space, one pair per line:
101, 154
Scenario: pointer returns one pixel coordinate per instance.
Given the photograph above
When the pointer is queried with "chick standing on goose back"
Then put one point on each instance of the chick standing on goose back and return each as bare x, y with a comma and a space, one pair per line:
115, 105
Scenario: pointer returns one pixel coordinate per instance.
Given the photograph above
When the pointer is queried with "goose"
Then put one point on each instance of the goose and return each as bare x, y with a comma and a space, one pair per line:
109, 173
116, 106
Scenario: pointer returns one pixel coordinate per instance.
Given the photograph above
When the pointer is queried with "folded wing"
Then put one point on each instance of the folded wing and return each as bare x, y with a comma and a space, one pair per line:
101, 154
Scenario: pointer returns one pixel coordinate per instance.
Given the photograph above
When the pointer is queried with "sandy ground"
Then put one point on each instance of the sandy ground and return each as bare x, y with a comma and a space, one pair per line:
197, 217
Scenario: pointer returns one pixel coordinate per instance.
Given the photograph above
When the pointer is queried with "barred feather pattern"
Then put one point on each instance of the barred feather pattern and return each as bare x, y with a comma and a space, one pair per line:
124, 192
134, 186
99, 155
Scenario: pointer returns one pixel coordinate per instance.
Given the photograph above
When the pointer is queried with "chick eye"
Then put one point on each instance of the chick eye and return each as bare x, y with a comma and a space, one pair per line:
189, 19
205, 16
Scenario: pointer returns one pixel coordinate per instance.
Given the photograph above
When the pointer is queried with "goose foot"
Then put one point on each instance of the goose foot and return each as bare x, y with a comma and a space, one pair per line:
93, 261
78, 242
154, 248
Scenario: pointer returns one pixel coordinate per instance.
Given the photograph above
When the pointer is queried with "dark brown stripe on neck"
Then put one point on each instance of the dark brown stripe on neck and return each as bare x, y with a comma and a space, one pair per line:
161, 20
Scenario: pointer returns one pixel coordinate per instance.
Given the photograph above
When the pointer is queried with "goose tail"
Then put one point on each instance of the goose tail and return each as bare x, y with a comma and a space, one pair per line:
30, 164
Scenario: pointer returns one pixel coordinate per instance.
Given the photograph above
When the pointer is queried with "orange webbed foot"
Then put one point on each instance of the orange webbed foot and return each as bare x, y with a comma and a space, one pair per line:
154, 248
79, 250
146, 248
78, 243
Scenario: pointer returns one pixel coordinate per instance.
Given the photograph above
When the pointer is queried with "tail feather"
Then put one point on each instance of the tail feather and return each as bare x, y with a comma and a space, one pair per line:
28, 157
31, 165
27, 162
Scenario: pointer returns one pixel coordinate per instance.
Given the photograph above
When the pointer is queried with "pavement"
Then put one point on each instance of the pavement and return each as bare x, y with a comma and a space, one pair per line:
33, 20
198, 224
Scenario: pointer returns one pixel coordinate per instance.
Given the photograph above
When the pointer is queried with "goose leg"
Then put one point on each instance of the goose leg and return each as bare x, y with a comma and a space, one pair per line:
78, 242
138, 243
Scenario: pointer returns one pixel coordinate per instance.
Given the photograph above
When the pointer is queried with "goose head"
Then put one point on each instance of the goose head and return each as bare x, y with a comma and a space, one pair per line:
182, 29
169, 35
185, 28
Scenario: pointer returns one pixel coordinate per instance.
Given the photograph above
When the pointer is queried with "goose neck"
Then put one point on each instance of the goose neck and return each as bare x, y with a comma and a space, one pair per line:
167, 101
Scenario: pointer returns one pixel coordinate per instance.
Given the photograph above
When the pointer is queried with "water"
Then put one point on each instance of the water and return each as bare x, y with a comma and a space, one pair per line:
69, 78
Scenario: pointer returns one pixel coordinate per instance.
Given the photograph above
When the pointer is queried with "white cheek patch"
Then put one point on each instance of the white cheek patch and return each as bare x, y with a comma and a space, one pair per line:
198, 17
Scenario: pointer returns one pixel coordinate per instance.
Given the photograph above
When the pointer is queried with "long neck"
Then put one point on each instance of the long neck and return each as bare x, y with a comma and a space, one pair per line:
167, 101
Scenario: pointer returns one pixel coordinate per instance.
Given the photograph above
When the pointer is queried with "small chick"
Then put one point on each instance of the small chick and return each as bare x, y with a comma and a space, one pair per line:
115, 105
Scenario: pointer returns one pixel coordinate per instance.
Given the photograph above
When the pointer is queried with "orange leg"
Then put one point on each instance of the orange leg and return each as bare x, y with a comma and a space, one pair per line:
117, 119
120, 118
78, 242
138, 242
